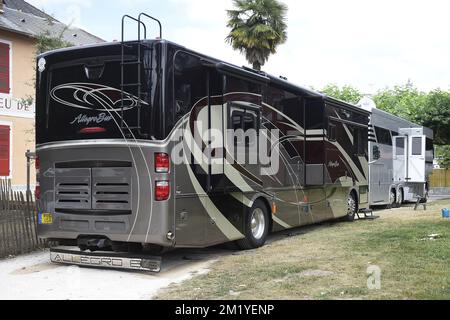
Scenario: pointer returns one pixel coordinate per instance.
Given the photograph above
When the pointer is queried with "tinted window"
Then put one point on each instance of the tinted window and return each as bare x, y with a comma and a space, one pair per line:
236, 120
288, 104
249, 121
400, 147
314, 114
416, 146
190, 84
430, 146
359, 141
332, 132
244, 120
383, 136
376, 154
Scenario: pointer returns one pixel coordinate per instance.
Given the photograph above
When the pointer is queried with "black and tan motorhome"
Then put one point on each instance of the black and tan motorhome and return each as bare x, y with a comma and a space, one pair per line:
145, 144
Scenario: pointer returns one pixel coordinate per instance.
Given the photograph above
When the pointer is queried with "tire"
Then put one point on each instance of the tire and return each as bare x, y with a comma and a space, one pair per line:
392, 199
256, 227
352, 206
400, 198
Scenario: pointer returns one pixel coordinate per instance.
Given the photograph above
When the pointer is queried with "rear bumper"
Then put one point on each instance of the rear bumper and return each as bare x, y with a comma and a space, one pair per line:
110, 260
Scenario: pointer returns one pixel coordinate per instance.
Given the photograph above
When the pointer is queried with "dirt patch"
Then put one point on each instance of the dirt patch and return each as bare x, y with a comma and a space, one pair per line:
316, 273
35, 269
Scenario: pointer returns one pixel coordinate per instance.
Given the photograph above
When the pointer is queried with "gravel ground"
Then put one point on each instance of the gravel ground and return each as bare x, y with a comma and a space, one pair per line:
33, 277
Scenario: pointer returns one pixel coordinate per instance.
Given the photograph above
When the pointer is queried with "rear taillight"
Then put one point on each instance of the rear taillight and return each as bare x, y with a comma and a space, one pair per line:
92, 130
162, 191
162, 163
37, 192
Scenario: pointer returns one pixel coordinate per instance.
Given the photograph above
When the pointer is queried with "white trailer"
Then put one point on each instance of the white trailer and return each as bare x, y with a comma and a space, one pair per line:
413, 161
400, 159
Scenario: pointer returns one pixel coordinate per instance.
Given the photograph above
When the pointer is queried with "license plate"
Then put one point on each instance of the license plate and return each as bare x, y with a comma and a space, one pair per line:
45, 218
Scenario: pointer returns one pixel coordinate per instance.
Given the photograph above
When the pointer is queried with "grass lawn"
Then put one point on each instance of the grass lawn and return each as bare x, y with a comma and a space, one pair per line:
330, 261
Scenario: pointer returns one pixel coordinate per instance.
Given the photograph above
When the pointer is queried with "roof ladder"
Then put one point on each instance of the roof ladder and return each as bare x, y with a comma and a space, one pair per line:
140, 64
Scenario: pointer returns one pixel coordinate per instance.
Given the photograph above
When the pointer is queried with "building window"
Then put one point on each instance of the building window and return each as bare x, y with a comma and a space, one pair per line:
5, 68
5, 151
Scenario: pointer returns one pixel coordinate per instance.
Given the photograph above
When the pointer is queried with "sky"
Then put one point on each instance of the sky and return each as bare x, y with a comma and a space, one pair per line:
364, 43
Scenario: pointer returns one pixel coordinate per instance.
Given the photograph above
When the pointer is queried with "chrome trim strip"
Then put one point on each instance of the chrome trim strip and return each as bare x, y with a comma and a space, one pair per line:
97, 143
105, 260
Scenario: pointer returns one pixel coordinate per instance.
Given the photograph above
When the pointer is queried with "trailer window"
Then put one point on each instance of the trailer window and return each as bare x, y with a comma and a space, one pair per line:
416, 146
376, 154
400, 147
383, 136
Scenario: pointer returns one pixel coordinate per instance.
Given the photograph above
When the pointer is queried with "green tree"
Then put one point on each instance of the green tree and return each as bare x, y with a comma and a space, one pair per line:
435, 114
443, 156
405, 101
431, 109
346, 93
46, 41
258, 27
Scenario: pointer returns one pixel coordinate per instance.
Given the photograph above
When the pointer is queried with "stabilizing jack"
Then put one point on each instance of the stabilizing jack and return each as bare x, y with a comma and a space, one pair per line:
366, 214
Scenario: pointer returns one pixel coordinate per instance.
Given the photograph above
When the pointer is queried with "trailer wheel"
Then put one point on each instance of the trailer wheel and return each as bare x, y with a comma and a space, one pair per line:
400, 198
351, 207
256, 227
392, 199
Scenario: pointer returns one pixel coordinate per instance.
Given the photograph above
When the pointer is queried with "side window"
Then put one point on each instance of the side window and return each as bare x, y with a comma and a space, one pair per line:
236, 120
376, 154
247, 121
400, 147
416, 146
429, 148
331, 132
315, 142
190, 84
359, 141
383, 136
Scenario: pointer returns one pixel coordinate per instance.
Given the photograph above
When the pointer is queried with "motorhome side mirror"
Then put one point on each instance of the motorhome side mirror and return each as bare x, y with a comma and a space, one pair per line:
376, 153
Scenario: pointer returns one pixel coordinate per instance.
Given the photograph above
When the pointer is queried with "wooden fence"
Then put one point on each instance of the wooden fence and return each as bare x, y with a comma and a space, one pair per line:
18, 222
440, 178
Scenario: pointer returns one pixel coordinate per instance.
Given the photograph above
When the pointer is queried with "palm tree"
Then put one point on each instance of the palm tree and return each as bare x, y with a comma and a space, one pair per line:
257, 28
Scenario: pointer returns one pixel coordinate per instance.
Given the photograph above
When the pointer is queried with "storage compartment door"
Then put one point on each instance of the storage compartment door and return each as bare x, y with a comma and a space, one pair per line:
416, 163
399, 158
